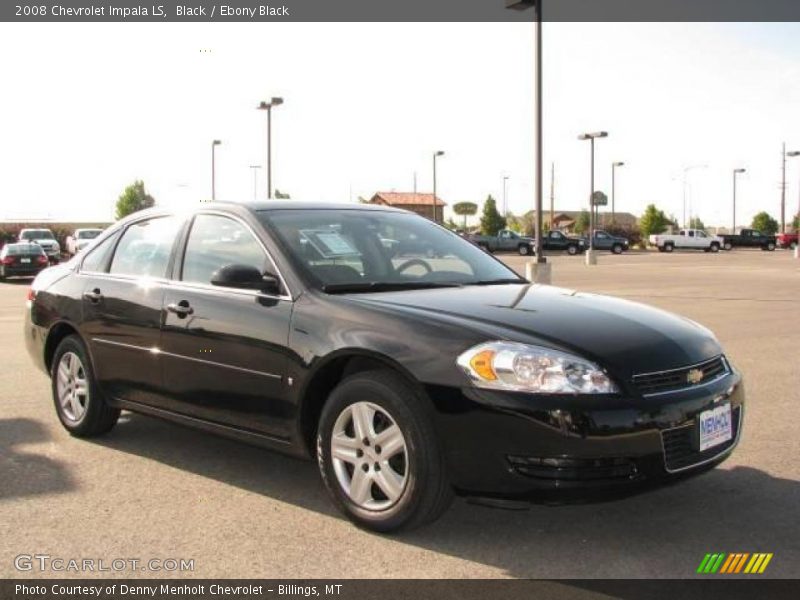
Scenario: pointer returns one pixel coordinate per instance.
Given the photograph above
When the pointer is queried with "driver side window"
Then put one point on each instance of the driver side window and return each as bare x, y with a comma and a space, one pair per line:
215, 242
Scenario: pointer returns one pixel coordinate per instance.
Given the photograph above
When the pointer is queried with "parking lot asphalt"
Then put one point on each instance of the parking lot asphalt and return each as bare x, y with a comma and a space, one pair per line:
155, 490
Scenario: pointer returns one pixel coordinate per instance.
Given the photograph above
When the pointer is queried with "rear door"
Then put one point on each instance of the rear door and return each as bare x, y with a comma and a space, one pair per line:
123, 281
224, 350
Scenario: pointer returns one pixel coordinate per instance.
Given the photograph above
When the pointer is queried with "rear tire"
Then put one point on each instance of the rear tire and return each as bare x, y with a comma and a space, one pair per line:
80, 405
793, 245
727, 246
669, 247
401, 490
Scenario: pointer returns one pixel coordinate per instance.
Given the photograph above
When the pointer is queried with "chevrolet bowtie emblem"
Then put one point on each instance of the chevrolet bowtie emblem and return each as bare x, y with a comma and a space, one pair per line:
694, 376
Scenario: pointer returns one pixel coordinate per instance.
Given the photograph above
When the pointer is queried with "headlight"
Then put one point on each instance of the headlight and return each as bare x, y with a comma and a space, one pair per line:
519, 367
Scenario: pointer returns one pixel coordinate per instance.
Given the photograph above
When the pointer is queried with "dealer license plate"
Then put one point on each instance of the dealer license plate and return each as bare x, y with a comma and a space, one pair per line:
715, 427
24, 260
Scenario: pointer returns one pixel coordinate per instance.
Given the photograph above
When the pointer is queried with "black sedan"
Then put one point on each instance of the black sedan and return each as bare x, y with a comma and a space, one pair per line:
22, 260
294, 326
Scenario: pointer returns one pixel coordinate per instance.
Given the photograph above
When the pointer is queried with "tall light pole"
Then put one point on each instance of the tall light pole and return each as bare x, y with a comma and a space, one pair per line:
794, 154
735, 173
505, 200
436, 155
267, 106
590, 257
537, 75
614, 166
686, 171
783, 189
255, 169
214, 145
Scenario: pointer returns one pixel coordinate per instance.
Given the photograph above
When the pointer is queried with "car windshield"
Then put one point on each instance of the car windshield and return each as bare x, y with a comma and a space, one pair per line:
89, 234
356, 250
21, 249
37, 234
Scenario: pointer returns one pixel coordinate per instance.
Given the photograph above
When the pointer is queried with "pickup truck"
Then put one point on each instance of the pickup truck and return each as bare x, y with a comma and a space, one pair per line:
45, 239
749, 238
558, 241
786, 240
505, 240
693, 239
605, 241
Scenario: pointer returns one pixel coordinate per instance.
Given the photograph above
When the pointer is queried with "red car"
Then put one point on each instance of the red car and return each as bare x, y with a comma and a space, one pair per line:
786, 240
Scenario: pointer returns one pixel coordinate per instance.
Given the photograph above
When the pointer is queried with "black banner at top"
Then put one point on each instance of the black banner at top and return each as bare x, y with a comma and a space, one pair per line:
396, 10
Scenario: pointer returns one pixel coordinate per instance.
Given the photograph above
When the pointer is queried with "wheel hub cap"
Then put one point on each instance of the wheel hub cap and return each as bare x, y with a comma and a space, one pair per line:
370, 456
72, 387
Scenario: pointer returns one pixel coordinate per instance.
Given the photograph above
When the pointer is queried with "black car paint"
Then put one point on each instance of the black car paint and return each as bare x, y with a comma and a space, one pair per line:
257, 367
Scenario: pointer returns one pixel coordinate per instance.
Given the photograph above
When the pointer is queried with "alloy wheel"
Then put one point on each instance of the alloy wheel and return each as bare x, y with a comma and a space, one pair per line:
72, 387
370, 456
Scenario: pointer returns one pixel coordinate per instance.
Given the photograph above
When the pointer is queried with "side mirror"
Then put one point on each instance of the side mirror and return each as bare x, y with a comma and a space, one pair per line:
245, 277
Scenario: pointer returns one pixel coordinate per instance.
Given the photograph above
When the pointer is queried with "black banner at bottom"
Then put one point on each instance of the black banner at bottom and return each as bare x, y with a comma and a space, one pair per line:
389, 589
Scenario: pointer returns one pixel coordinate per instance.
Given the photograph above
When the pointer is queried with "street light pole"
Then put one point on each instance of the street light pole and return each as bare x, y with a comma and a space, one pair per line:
613, 188
685, 181
505, 201
214, 145
436, 154
590, 257
735, 173
795, 154
255, 169
267, 106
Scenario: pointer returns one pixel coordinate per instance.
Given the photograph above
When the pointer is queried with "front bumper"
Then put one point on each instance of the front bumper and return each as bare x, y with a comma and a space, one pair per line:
576, 449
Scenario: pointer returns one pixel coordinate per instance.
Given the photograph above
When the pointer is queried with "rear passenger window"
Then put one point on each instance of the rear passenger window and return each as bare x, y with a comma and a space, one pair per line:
145, 248
215, 242
97, 259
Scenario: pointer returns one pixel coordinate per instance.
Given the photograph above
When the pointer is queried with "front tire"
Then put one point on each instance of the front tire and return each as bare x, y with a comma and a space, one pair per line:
771, 247
80, 406
616, 249
714, 247
524, 250
378, 454
572, 250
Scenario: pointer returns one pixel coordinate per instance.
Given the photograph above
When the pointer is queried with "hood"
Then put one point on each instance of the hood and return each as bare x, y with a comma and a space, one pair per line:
625, 337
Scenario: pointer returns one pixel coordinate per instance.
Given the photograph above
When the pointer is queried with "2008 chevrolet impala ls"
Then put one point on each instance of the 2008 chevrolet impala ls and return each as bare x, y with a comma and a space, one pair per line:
409, 362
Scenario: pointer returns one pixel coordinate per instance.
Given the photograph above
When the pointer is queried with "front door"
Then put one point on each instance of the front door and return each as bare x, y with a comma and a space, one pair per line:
224, 349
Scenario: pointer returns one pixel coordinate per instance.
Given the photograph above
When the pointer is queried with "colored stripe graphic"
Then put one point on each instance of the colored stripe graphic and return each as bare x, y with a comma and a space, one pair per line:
703, 563
722, 563
718, 563
765, 563
728, 564
741, 562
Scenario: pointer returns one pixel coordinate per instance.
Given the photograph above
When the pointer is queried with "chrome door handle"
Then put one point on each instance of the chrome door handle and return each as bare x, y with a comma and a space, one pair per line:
181, 309
93, 296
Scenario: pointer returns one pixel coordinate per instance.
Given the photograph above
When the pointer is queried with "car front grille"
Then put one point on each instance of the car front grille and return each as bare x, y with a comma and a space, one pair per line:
680, 448
682, 378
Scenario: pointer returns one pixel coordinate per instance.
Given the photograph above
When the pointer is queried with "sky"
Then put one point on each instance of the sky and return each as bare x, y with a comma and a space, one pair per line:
88, 108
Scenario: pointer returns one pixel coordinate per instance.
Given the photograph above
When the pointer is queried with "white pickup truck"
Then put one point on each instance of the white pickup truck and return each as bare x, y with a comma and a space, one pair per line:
693, 239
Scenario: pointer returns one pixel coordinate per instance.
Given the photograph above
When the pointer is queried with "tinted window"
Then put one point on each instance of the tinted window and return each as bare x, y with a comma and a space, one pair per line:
97, 259
89, 235
145, 247
22, 249
215, 242
377, 247
37, 234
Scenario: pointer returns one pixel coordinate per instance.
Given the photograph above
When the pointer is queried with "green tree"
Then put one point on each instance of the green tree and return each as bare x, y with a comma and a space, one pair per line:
491, 221
465, 209
696, 223
764, 223
133, 199
279, 195
451, 225
582, 222
653, 221
796, 222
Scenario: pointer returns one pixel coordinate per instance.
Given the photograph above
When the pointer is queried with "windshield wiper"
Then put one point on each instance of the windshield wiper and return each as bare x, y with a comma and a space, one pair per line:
496, 281
383, 286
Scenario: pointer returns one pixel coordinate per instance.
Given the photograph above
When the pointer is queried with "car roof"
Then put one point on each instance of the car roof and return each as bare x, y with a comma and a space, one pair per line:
306, 205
